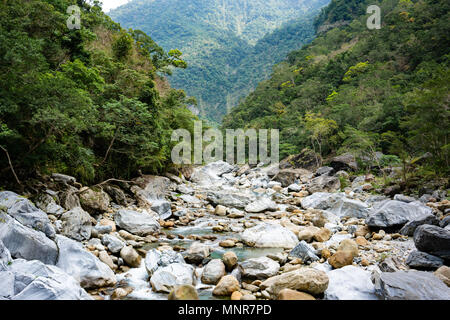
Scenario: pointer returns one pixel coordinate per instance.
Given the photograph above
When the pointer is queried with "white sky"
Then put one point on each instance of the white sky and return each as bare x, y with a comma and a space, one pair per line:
111, 4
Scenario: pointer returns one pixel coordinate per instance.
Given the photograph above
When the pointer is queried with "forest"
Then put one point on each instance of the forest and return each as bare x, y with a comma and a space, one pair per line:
363, 91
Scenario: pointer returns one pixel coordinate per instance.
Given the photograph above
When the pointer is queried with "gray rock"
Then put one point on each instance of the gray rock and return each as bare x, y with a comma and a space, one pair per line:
24, 211
213, 272
76, 224
261, 205
289, 176
231, 199
190, 199
33, 280
305, 252
156, 259
166, 278
294, 188
47, 203
350, 283
101, 229
324, 171
117, 195
259, 268
390, 264
324, 183
135, 222
396, 213
344, 162
403, 198
409, 228
64, 179
184, 189
336, 203
433, 240
269, 235
423, 261
162, 208
410, 285
26, 243
445, 222
86, 268
113, 243
5, 257
69, 199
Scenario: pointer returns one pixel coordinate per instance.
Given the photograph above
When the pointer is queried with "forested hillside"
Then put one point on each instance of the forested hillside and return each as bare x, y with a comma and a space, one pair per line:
83, 102
360, 90
229, 45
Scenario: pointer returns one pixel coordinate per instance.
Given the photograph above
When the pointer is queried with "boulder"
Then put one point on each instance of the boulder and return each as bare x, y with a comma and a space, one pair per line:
130, 256
196, 253
269, 235
345, 161
341, 259
139, 223
213, 271
68, 198
34, 280
94, 201
304, 279
76, 224
423, 261
86, 268
305, 252
259, 268
443, 273
409, 228
113, 243
261, 205
152, 191
288, 177
5, 257
350, 246
25, 212
226, 286
165, 279
433, 240
350, 283
230, 198
307, 233
116, 194
183, 292
324, 183
230, 260
23, 242
156, 259
396, 213
410, 285
337, 204
47, 203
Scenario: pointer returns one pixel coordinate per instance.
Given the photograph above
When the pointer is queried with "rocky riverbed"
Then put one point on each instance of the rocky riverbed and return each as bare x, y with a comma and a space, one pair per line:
224, 232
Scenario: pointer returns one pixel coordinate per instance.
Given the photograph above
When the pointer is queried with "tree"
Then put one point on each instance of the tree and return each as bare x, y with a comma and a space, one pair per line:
319, 130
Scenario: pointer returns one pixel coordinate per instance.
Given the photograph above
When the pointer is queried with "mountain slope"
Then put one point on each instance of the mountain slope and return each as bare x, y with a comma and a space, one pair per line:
217, 37
354, 89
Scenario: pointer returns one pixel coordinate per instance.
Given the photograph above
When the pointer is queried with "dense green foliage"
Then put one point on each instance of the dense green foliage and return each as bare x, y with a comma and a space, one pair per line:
354, 88
229, 45
82, 102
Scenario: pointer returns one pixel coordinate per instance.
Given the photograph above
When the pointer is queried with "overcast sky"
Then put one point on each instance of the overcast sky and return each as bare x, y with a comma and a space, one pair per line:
111, 4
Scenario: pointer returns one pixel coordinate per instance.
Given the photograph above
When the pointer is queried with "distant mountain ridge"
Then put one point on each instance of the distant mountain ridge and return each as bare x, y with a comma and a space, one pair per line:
218, 37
